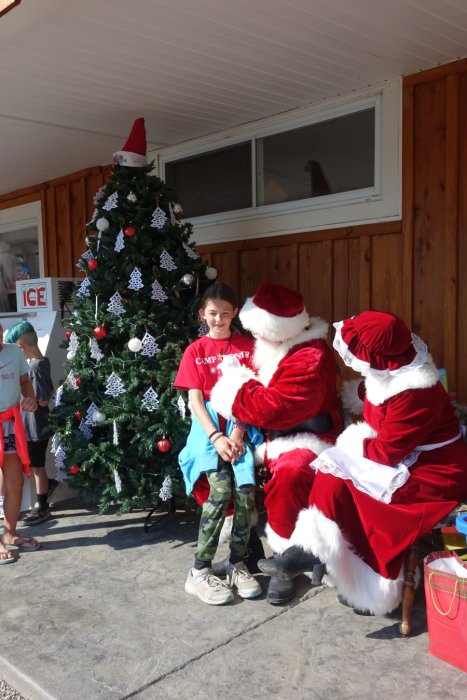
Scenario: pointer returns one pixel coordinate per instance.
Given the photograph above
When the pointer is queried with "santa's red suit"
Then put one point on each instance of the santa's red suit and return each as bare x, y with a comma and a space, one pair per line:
293, 397
363, 514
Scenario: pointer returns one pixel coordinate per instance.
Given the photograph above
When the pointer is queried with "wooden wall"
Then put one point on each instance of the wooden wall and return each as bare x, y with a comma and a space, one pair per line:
339, 271
414, 267
66, 205
434, 221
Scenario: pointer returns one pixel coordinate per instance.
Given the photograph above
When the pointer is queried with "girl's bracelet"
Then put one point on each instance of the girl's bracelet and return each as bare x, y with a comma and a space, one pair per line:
213, 433
217, 438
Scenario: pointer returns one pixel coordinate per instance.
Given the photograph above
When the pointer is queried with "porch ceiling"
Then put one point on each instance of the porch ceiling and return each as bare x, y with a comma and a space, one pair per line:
75, 73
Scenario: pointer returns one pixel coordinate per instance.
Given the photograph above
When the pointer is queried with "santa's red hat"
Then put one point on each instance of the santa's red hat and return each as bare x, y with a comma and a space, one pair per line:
275, 313
377, 342
133, 153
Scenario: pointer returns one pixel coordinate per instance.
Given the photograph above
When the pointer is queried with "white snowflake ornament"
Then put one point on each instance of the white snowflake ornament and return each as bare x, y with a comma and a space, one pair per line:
158, 293
71, 382
150, 400
167, 262
135, 282
165, 494
60, 463
158, 218
84, 290
203, 329
190, 252
111, 202
149, 345
73, 344
116, 305
114, 385
86, 430
95, 353
91, 414
119, 242
93, 218
58, 396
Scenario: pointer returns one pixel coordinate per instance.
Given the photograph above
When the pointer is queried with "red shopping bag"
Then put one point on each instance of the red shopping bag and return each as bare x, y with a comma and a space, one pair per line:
446, 607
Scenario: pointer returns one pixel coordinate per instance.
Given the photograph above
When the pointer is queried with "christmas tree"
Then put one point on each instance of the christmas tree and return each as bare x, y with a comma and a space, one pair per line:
119, 424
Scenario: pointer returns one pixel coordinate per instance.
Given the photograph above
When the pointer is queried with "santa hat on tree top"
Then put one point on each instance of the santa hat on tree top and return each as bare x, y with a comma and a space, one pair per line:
275, 313
133, 153
378, 343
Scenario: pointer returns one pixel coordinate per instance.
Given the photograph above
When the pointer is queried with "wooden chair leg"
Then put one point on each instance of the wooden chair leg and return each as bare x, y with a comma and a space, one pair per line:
408, 589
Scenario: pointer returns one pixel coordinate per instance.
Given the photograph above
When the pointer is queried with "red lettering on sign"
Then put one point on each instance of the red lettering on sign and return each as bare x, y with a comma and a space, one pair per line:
35, 296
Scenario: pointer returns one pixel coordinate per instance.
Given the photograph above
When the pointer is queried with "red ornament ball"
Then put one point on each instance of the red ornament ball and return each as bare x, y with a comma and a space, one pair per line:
74, 469
78, 381
164, 445
78, 415
93, 264
68, 334
100, 332
129, 231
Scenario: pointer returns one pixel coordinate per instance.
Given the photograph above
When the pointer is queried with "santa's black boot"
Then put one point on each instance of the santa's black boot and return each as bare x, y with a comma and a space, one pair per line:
255, 552
293, 562
280, 591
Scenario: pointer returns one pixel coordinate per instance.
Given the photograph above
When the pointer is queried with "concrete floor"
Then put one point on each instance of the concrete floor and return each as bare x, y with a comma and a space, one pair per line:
100, 613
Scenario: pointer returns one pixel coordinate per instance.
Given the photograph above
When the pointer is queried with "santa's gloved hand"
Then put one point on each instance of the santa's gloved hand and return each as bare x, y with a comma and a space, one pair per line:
229, 364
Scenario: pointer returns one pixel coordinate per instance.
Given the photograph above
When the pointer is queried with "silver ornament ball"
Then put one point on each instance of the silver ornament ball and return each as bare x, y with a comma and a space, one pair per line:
188, 280
177, 209
99, 417
132, 197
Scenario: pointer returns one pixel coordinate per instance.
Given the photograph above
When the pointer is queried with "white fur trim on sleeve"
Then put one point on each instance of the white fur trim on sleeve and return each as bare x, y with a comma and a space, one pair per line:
303, 441
351, 401
351, 439
226, 389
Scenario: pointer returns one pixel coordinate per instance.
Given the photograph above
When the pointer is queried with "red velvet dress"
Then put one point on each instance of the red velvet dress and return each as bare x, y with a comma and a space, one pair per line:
362, 540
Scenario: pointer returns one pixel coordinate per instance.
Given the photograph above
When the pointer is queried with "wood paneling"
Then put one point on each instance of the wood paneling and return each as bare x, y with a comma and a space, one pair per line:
435, 214
429, 208
66, 206
414, 267
461, 317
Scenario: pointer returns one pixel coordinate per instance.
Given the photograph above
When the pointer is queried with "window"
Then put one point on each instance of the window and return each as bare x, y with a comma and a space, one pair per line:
323, 166
212, 182
330, 157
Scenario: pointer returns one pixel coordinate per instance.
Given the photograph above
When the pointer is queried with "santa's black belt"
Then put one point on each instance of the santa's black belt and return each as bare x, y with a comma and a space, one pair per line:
319, 425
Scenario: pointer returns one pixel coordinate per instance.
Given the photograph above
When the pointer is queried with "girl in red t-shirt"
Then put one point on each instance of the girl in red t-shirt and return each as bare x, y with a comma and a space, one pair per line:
215, 447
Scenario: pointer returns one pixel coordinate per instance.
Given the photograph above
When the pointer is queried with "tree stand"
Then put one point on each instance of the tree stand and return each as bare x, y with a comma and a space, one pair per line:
160, 516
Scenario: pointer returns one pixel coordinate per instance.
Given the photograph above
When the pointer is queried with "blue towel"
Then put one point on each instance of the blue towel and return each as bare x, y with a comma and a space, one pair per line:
200, 456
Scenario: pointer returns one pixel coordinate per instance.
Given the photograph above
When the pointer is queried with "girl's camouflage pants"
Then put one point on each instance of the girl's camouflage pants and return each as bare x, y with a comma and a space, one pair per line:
222, 487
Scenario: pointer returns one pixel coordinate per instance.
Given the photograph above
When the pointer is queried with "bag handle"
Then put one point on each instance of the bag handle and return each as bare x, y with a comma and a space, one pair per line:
444, 614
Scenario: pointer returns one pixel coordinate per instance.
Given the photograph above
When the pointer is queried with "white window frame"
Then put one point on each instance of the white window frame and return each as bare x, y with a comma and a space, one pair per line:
382, 202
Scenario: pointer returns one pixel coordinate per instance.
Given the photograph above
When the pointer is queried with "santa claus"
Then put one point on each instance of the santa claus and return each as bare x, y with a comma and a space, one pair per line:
292, 396
389, 480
